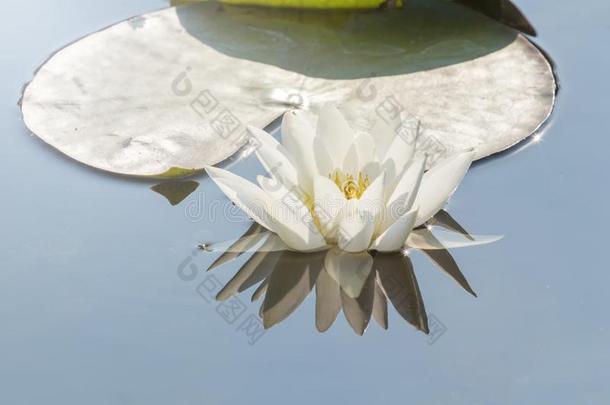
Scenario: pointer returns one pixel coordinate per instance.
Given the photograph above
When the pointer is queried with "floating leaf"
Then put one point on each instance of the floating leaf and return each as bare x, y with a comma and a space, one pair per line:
166, 93
322, 4
503, 11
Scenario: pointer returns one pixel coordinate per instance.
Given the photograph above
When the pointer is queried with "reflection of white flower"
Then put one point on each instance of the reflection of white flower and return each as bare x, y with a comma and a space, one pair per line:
333, 187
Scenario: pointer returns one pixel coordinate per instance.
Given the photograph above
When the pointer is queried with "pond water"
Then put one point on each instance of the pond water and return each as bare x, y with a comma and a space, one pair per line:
96, 306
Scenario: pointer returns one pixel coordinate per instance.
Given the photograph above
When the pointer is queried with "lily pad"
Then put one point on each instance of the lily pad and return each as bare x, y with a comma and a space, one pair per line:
166, 93
503, 11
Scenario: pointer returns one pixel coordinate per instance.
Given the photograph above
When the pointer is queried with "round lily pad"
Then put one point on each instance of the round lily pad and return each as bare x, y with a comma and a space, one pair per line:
166, 93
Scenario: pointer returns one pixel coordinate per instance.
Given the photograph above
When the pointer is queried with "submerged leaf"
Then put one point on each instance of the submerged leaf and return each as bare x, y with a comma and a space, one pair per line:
175, 191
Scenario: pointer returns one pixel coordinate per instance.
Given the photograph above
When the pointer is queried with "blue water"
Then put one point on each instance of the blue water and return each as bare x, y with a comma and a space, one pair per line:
92, 308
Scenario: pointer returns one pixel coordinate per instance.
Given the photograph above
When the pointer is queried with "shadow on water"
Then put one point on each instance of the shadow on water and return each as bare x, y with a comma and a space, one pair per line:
337, 44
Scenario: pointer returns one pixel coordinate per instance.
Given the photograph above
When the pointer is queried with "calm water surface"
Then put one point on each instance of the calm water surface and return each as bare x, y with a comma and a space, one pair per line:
93, 309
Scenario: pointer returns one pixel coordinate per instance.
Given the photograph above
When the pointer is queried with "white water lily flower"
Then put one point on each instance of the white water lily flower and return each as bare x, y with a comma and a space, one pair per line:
332, 187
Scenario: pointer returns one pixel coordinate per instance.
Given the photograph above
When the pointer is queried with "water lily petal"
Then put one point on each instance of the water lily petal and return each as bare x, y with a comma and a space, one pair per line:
367, 160
293, 221
295, 124
408, 185
333, 127
394, 238
355, 228
423, 239
399, 155
274, 157
439, 183
402, 198
247, 196
350, 161
298, 137
328, 203
372, 201
324, 160
384, 133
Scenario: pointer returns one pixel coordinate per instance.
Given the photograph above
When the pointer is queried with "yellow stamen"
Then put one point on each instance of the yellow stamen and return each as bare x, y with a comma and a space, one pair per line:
350, 187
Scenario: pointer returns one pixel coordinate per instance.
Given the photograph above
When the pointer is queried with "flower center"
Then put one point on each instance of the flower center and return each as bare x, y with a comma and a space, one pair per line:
350, 186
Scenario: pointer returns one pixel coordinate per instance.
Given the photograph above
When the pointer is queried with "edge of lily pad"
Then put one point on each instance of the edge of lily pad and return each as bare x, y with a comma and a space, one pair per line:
515, 146
181, 173
175, 173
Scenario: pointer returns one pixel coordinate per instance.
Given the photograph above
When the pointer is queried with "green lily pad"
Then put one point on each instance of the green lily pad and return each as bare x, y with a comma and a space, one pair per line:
176, 88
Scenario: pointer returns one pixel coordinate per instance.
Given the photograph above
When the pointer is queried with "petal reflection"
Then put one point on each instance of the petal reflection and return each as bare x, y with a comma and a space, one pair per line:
443, 219
400, 286
349, 270
248, 240
260, 291
358, 310
249, 244
290, 282
380, 306
256, 269
328, 301
360, 284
